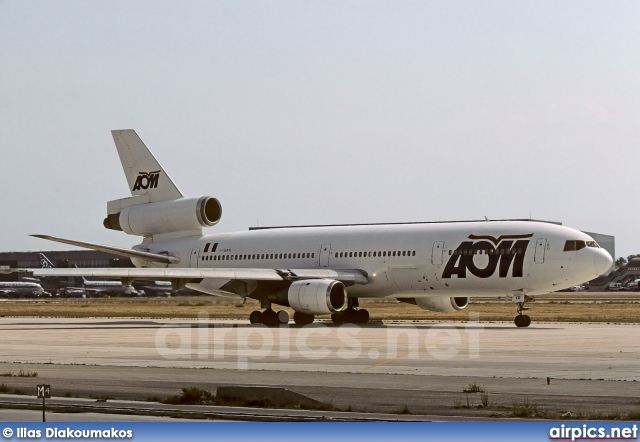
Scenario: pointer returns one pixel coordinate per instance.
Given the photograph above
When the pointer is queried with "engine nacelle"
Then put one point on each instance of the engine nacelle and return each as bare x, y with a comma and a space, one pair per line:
166, 216
317, 296
443, 304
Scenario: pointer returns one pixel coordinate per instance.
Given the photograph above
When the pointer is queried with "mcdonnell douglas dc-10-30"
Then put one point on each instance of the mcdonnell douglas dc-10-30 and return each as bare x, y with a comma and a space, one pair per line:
325, 270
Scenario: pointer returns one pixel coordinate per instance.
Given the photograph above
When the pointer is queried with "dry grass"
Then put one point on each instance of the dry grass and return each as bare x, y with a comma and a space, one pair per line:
182, 307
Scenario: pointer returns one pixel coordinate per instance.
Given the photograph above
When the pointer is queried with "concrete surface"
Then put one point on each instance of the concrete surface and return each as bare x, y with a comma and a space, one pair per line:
593, 367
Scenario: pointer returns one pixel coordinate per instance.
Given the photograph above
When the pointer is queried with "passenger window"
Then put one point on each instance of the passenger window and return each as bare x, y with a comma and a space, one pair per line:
313, 255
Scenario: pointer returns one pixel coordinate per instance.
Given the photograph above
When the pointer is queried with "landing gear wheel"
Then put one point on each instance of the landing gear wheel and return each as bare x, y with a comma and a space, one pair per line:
302, 318
283, 317
270, 318
522, 321
255, 317
362, 316
351, 316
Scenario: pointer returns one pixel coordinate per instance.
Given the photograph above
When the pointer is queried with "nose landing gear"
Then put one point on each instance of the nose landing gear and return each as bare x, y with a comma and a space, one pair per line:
521, 320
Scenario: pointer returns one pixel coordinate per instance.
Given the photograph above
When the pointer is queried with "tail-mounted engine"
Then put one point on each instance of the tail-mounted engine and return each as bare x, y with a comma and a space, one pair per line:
183, 214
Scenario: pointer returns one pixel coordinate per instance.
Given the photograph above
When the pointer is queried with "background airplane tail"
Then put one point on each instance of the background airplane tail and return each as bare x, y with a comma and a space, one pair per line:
45, 262
144, 173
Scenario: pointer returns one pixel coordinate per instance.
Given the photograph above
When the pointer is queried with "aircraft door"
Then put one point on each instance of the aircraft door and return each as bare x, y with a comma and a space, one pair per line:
325, 251
437, 253
541, 246
194, 257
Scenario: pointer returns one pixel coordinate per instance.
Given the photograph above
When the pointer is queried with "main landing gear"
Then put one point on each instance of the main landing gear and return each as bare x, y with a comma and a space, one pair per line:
521, 320
352, 315
269, 317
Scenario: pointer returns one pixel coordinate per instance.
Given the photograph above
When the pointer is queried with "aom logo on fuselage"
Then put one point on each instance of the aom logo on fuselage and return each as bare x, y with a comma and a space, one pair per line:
147, 180
501, 253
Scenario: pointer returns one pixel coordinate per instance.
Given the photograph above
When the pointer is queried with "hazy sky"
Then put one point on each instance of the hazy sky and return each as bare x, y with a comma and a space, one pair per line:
319, 112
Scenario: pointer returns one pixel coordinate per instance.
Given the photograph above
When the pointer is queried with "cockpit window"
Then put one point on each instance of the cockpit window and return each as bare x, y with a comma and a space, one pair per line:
570, 246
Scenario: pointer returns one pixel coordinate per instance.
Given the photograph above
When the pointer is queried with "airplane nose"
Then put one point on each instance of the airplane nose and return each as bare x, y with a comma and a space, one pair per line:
602, 261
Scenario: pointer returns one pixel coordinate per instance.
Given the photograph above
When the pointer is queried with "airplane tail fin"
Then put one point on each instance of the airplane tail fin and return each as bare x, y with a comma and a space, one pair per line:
144, 173
84, 280
45, 262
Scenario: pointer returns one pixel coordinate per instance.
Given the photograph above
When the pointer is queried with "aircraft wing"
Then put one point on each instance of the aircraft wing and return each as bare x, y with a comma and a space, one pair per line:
349, 276
120, 251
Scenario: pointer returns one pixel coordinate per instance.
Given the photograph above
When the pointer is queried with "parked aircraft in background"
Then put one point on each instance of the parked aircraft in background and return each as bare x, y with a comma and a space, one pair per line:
320, 270
21, 289
95, 288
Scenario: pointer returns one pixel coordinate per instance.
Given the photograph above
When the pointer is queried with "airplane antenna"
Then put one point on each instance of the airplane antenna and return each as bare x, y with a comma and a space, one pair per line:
529, 214
485, 218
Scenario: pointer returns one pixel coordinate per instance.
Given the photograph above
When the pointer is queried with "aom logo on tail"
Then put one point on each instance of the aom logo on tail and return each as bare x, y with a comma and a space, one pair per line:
146, 180
484, 254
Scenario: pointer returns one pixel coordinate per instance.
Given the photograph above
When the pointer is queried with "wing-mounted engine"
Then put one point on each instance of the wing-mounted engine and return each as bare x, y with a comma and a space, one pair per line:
137, 217
317, 296
442, 304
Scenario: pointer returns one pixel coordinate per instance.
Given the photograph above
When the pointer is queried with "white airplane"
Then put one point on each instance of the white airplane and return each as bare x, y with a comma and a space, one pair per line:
25, 288
318, 270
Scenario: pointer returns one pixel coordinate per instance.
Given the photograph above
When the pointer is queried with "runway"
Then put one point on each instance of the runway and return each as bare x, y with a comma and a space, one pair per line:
380, 367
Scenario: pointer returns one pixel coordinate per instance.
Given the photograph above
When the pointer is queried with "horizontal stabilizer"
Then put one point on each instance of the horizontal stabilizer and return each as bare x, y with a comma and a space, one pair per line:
130, 253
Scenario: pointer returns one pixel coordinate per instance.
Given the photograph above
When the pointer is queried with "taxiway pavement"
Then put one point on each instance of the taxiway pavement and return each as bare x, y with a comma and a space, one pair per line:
379, 367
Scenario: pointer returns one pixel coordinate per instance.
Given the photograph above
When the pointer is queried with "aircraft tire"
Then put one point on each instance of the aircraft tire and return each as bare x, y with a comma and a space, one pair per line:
270, 318
362, 316
302, 318
527, 320
255, 317
520, 321
283, 317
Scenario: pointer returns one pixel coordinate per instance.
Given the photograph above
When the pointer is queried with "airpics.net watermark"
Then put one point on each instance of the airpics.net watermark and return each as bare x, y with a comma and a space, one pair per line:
377, 346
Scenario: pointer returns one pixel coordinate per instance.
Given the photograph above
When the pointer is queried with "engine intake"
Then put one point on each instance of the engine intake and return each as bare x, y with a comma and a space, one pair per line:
183, 214
317, 296
443, 304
